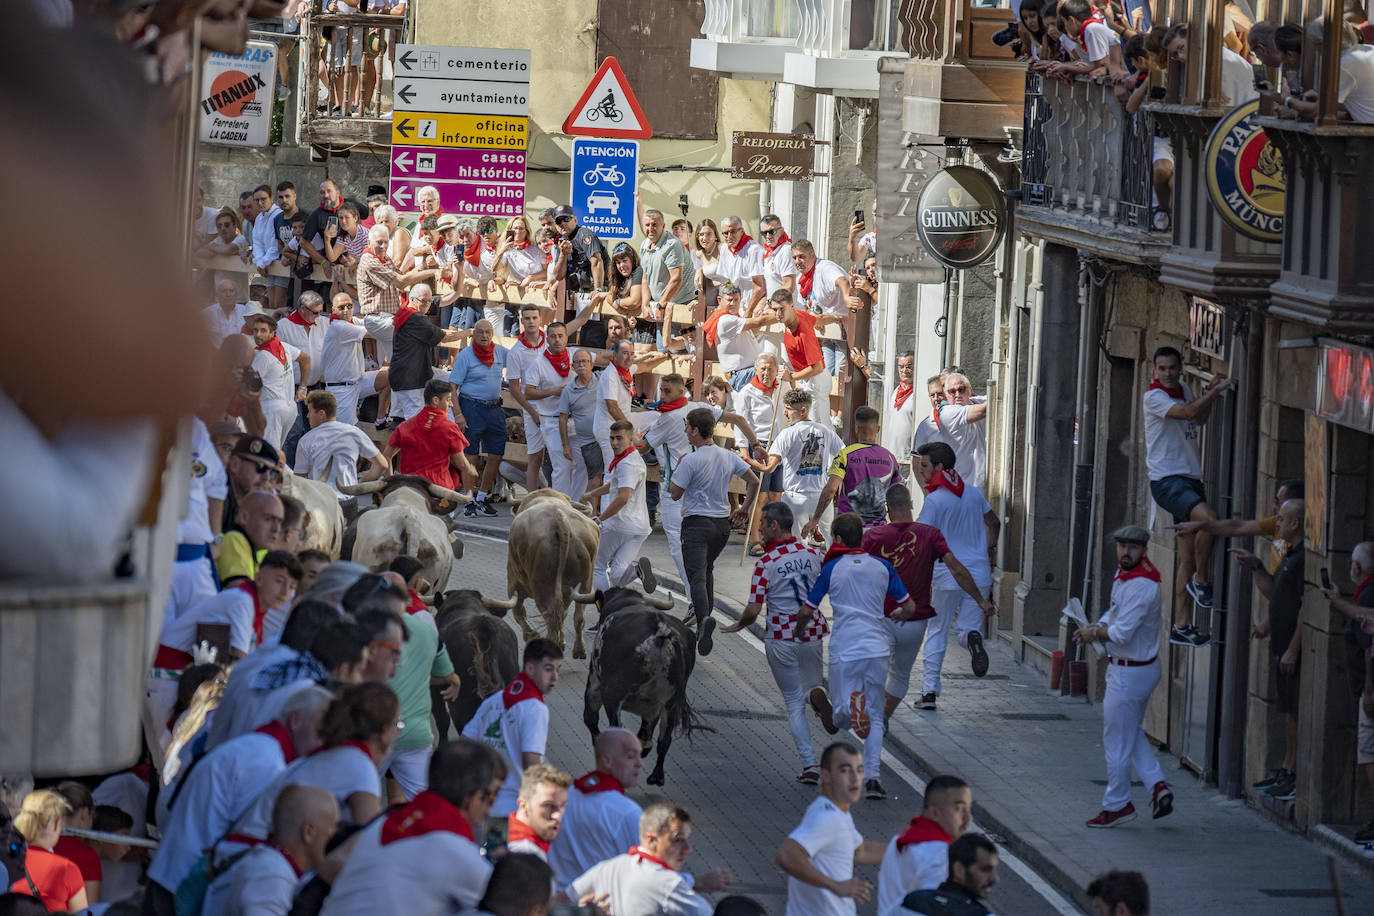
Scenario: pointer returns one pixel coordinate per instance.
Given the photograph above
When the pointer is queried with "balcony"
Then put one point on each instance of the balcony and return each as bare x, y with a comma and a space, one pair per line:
1086, 171
371, 123
827, 45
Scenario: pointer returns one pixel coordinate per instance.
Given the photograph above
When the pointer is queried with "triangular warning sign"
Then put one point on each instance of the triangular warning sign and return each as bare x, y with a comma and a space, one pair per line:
608, 107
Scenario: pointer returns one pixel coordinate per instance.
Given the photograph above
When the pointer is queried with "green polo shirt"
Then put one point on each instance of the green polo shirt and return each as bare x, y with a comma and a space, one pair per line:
422, 656
657, 261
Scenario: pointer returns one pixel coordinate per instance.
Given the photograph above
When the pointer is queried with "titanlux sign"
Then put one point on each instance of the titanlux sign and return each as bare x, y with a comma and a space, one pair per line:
762, 156
960, 216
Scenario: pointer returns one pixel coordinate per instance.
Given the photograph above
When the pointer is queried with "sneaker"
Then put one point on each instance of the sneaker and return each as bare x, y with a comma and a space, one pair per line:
980, 654
874, 790
704, 643
1287, 790
646, 575
1163, 802
485, 507
1365, 834
927, 701
470, 510
1107, 818
858, 714
810, 776
1188, 636
1274, 776
820, 702
1201, 594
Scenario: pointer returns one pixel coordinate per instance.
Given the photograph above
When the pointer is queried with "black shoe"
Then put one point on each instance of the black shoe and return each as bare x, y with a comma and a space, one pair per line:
1201, 594
1365, 834
485, 507
1188, 636
1275, 776
470, 510
646, 575
980, 654
704, 644
874, 790
1287, 790
927, 701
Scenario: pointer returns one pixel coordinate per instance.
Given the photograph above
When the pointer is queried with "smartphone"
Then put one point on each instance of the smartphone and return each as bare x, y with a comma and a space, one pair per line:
284, 233
1326, 577
333, 222
859, 216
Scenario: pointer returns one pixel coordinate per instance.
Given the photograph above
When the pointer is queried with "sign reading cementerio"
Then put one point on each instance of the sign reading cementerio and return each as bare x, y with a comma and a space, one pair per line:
762, 156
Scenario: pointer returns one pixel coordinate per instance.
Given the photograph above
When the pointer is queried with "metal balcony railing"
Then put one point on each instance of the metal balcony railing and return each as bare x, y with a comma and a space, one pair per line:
821, 27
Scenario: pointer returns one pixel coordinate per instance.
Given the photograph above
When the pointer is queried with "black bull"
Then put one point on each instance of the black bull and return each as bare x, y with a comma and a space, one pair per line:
640, 663
484, 650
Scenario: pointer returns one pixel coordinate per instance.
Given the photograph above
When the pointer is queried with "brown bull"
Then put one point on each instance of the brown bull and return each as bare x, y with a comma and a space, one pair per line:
550, 557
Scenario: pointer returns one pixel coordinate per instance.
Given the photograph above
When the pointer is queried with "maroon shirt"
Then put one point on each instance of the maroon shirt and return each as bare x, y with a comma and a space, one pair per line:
912, 548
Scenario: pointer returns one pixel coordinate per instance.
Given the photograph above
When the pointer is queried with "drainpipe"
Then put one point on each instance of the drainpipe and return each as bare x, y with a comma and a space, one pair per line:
1085, 448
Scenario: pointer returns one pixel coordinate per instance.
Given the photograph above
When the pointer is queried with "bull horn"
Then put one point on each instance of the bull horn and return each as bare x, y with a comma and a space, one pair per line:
362, 489
496, 604
584, 597
445, 493
663, 604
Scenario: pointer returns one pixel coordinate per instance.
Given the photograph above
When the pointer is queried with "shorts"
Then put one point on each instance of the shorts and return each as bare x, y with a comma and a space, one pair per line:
1286, 689
406, 403
277, 281
646, 332
340, 47
772, 481
1163, 150
486, 426
1364, 743
591, 457
1177, 495
534, 434
741, 377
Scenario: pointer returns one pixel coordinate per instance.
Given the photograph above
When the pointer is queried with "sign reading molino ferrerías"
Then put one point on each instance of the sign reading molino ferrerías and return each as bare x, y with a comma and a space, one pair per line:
960, 216
761, 156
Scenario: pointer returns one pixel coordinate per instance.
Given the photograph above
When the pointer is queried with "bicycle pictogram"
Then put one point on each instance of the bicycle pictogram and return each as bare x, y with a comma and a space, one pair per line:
605, 109
606, 172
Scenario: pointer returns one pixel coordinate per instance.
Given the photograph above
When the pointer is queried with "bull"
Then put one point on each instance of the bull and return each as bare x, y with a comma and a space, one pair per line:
641, 661
404, 524
325, 529
551, 552
484, 651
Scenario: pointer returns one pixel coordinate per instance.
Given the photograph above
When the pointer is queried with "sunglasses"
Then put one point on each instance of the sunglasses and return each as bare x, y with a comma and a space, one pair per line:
770, 232
563, 219
266, 470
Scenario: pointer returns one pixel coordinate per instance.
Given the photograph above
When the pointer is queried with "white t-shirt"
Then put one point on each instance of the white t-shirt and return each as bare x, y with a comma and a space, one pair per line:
609, 387
308, 340
756, 406
777, 266
639, 887
633, 517
208, 481
858, 584
1237, 78
927, 431
278, 379
667, 436
830, 838
899, 427
261, 882
742, 268
343, 770
704, 477
223, 326
541, 374
918, 867
960, 520
233, 606
523, 262
435, 873
342, 354
807, 448
1356, 88
969, 439
1171, 445
1098, 39
596, 826
736, 348
521, 729
520, 357
330, 453
825, 298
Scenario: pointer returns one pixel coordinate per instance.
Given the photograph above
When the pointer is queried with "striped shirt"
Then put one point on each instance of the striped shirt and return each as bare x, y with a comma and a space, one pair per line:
782, 577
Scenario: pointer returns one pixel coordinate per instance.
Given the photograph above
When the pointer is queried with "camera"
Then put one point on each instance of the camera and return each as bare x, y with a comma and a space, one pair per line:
249, 379
1007, 35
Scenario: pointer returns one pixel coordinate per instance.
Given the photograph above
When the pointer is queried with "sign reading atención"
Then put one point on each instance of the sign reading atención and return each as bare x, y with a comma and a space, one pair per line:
960, 216
764, 156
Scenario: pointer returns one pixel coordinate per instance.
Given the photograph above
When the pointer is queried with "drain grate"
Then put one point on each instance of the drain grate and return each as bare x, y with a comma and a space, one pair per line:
1033, 716
744, 714
1306, 893
1103, 782
973, 677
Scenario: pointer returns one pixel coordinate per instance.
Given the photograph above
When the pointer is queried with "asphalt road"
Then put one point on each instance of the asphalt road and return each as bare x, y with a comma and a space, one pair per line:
738, 782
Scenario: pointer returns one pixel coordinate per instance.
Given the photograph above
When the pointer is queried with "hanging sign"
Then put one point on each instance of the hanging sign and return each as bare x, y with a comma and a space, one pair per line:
961, 215
1245, 175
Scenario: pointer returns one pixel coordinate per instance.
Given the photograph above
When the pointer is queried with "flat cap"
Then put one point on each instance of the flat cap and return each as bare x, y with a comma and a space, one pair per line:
1132, 533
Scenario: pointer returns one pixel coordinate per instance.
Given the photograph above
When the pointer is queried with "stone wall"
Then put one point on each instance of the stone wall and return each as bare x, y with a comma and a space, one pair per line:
228, 171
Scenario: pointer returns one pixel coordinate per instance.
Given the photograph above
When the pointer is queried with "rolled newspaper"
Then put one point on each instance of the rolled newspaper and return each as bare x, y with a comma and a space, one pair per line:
1073, 613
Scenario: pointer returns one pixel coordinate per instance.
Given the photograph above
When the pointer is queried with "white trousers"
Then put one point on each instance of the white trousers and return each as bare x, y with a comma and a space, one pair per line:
564, 470
348, 396
410, 769
534, 433
796, 668
670, 514
407, 403
952, 606
382, 329
615, 558
907, 636
866, 676
1123, 739
281, 416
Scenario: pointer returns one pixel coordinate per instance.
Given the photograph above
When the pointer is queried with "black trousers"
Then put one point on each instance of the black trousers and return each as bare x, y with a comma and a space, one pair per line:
703, 539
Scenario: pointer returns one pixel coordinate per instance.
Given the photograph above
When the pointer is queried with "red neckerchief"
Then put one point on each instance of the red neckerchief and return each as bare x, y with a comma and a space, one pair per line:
369, 251
1359, 589
417, 604
649, 857
296, 318
425, 813
289, 860
709, 325
274, 347
619, 458
473, 252
768, 390
598, 781
360, 745
782, 239
744, 239
533, 346
670, 406
519, 830
402, 316
1142, 570
936, 415
277, 731
521, 245
251, 587
333, 209
946, 478
486, 354
561, 362
625, 377
519, 689
768, 548
903, 392
923, 830
488, 246
839, 550
1175, 393
805, 280
1087, 22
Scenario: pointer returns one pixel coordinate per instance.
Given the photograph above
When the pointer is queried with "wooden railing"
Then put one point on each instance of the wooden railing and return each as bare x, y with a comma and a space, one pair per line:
372, 123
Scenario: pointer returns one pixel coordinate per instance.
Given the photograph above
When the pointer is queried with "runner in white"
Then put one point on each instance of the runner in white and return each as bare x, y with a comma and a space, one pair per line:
345, 375
276, 362
528, 347
621, 512
963, 423
804, 451
917, 859
534, 823
544, 379
330, 450
614, 392
600, 819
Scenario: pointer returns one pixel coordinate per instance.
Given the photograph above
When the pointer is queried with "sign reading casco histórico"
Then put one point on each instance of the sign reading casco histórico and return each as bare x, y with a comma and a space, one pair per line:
1245, 175
961, 216
763, 156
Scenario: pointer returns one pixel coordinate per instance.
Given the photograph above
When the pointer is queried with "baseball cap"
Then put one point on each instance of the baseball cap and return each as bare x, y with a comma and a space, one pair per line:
561, 211
258, 449
1131, 533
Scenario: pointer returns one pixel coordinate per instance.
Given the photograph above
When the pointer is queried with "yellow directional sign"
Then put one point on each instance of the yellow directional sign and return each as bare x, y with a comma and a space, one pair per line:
434, 128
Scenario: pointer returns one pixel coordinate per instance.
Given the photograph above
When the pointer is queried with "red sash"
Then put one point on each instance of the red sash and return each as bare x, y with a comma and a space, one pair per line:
598, 781
947, 479
744, 239
1175, 393
670, 406
782, 238
619, 458
426, 813
519, 690
805, 280
922, 830
903, 392
487, 354
519, 830
1142, 570
561, 362
274, 347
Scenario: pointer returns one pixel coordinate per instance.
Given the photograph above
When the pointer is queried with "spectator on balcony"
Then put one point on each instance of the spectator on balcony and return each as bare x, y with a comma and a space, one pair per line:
518, 261
1125, 25
706, 256
1355, 92
1032, 31
1237, 75
1100, 45
778, 270
862, 244
823, 289
346, 56
1139, 88
266, 245
1264, 45
741, 261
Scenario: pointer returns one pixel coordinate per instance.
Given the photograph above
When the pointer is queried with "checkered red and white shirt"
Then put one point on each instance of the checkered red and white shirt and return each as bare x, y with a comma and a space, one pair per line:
782, 578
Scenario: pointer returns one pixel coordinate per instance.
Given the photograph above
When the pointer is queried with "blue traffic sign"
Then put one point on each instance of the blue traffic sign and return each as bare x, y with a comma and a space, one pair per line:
605, 174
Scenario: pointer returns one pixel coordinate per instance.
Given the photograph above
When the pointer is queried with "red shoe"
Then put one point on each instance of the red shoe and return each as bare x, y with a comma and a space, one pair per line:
820, 702
1163, 803
858, 714
1112, 818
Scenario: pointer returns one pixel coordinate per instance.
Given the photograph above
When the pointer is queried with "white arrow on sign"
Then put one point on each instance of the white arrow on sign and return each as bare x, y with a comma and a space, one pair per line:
402, 161
402, 195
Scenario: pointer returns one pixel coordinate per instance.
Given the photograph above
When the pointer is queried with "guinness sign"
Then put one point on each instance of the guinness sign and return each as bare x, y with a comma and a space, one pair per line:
960, 216
764, 156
